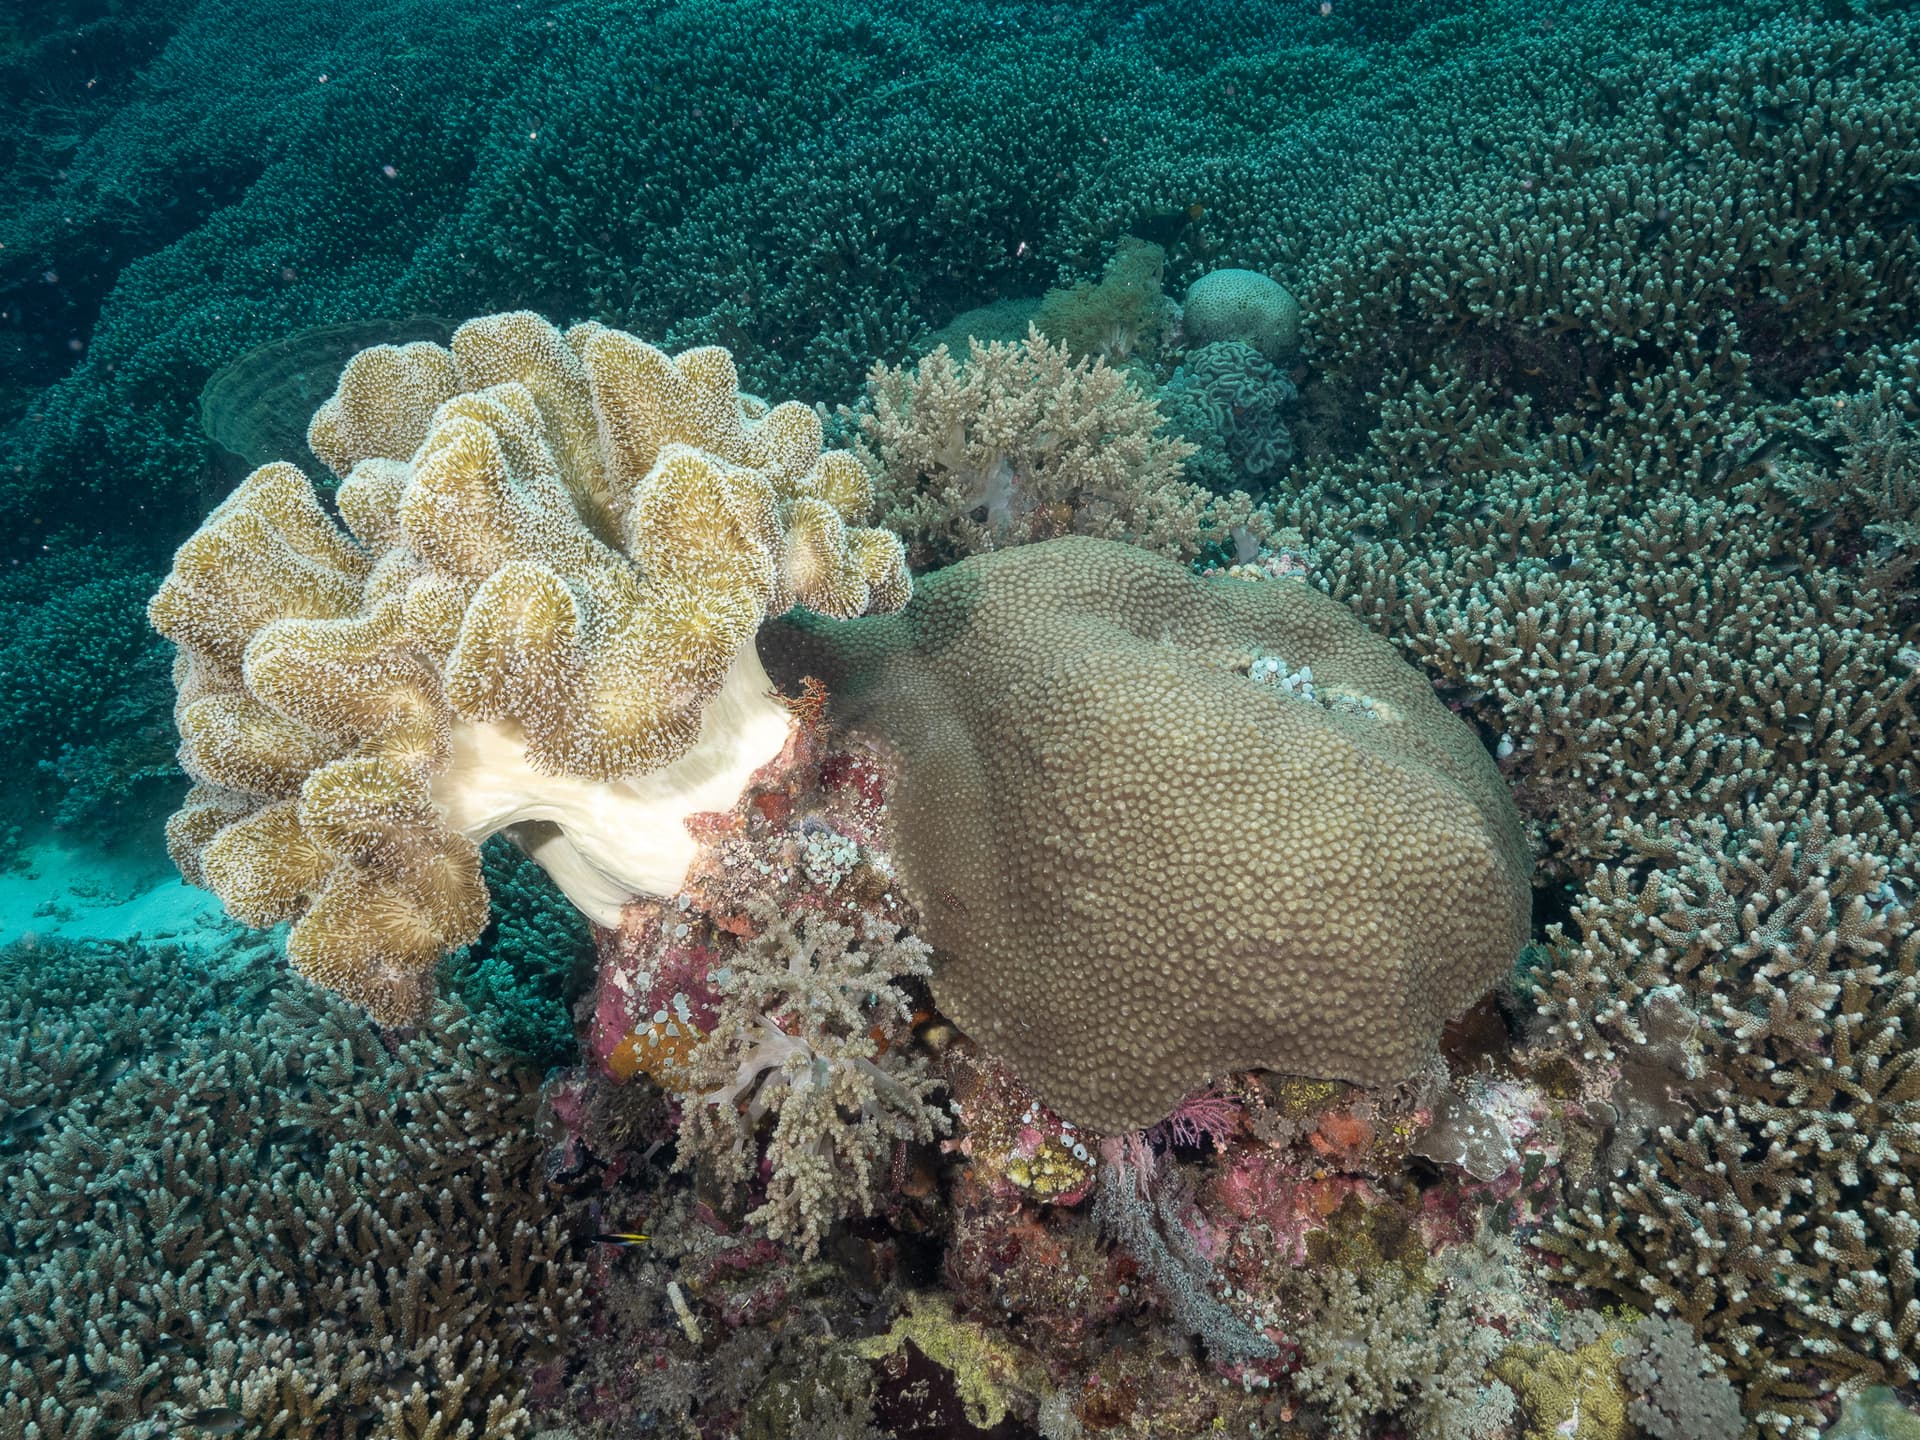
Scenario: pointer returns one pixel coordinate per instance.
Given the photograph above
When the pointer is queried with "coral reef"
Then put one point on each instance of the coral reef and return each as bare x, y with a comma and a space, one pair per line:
1751, 984
1605, 419
1121, 319
1018, 443
543, 621
80, 686
520, 978
227, 1193
1871, 481
1078, 720
1378, 1346
1143, 1218
1678, 1388
1875, 1414
1242, 305
1548, 414
1228, 400
807, 1030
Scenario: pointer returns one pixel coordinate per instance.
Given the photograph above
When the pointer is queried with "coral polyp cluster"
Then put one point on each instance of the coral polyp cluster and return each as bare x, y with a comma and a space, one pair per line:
561, 548
1106, 792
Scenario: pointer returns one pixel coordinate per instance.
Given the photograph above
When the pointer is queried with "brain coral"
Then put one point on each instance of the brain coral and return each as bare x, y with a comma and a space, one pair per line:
1242, 305
1162, 828
561, 548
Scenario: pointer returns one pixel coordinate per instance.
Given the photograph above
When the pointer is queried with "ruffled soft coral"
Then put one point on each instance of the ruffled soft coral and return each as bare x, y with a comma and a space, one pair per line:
542, 622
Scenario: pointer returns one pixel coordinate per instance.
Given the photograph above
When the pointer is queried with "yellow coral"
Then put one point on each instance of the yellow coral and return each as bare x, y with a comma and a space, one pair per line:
561, 547
1568, 1395
381, 406
987, 1370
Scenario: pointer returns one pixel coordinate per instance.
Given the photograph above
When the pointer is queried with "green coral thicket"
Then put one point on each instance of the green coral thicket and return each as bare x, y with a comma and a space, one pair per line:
83, 703
521, 978
223, 1188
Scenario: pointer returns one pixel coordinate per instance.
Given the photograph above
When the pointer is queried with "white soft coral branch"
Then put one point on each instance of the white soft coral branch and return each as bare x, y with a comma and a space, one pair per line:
794, 1040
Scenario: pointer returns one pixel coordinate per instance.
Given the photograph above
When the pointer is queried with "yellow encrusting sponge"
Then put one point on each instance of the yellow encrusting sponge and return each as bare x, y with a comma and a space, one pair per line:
561, 548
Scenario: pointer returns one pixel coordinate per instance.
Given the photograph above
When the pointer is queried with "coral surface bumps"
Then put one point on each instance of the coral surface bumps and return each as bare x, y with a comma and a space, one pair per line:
561, 548
1242, 305
1143, 865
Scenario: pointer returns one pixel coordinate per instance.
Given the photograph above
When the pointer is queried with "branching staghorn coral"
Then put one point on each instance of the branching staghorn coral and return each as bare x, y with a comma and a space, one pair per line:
809, 1032
81, 683
1017, 443
1761, 970
521, 978
1666, 655
1874, 482
219, 1189
542, 621
1542, 413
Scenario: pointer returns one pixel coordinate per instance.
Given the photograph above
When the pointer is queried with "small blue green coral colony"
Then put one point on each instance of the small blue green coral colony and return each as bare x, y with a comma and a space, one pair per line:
891, 722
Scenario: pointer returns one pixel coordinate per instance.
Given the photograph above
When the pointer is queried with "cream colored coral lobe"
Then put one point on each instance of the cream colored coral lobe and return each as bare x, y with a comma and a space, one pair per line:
542, 621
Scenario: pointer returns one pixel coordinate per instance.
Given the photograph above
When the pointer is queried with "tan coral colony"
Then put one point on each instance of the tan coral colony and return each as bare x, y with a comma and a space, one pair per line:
542, 620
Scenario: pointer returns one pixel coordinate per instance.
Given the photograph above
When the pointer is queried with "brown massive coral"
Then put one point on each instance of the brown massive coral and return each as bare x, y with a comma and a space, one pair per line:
1163, 828
561, 548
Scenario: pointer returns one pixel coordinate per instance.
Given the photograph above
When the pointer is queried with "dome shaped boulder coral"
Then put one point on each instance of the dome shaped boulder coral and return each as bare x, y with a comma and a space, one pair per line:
542, 621
1242, 305
1163, 828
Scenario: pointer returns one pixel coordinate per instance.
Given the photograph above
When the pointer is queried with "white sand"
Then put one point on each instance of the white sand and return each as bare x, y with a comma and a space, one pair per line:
82, 894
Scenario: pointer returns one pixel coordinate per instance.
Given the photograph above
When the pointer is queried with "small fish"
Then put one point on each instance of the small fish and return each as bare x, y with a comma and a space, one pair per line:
1364, 534
220, 1420
1800, 724
1783, 565
1481, 511
1562, 561
619, 1237
30, 1121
